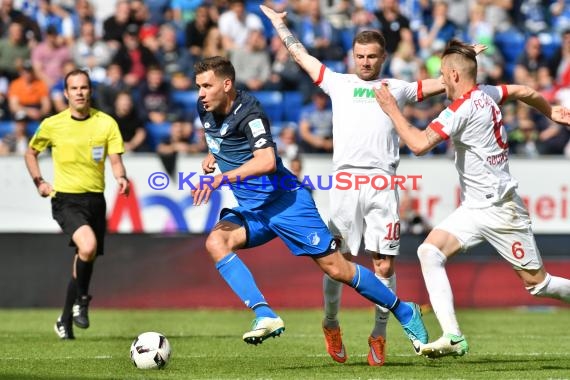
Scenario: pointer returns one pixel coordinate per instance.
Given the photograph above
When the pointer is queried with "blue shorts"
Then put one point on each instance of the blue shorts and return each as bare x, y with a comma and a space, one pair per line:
293, 217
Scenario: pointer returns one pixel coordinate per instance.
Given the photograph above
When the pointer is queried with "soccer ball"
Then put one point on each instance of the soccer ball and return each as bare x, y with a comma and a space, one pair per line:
150, 350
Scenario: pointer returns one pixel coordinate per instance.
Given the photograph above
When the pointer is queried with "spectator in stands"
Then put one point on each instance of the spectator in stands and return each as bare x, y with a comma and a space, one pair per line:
285, 73
115, 26
318, 35
49, 55
13, 51
405, 64
130, 124
47, 15
394, 26
108, 90
180, 139
252, 63
533, 16
523, 141
439, 29
315, 125
213, 44
362, 19
411, 221
28, 95
286, 143
91, 53
16, 142
184, 11
139, 13
155, 96
175, 60
82, 12
235, 25
133, 57
560, 70
560, 13
159, 11
531, 68
497, 13
9, 15
56, 92
196, 31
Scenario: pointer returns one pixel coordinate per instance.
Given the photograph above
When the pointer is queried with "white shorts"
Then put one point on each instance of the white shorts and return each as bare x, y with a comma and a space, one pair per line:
506, 226
365, 213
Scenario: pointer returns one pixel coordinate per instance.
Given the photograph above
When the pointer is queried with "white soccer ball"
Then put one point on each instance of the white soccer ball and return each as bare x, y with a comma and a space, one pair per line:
150, 350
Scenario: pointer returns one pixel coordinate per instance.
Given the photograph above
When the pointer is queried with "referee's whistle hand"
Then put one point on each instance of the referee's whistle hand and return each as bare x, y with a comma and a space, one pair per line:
124, 187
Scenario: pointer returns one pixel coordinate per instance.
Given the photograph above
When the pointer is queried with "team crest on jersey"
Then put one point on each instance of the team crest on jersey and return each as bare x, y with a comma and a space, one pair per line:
213, 143
224, 129
207, 125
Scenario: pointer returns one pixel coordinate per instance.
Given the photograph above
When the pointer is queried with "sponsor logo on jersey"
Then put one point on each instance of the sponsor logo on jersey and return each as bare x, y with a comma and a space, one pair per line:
363, 92
256, 127
207, 125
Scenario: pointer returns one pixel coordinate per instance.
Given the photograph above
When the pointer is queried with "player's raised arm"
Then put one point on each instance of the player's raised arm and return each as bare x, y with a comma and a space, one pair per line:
309, 63
534, 99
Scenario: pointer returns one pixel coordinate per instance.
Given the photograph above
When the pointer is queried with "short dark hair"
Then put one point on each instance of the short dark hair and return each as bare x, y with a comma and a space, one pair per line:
458, 47
466, 55
368, 37
75, 72
222, 67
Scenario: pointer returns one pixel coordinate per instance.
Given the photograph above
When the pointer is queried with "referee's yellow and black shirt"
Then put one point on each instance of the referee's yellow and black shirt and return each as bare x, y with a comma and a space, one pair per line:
79, 149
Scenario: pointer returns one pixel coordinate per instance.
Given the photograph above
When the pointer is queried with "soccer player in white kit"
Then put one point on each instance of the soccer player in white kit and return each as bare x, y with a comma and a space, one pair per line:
490, 209
364, 144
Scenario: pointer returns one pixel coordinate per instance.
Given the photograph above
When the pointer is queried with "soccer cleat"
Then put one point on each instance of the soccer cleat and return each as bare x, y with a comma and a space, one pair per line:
80, 312
447, 345
333, 342
415, 329
63, 330
376, 354
263, 328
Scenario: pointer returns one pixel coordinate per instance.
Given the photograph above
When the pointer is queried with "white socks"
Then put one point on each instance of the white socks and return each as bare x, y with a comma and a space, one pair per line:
552, 287
437, 283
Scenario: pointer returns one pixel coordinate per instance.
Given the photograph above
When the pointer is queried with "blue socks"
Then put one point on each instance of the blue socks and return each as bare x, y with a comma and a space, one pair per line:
370, 287
241, 281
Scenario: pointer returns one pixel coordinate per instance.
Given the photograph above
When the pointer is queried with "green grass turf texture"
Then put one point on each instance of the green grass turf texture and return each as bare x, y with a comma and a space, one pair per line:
206, 344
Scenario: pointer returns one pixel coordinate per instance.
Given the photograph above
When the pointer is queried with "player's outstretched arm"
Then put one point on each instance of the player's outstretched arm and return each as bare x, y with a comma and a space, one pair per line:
419, 142
307, 62
534, 99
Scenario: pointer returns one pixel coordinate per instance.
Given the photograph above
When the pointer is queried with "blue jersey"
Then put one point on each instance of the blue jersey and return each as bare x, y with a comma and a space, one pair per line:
233, 138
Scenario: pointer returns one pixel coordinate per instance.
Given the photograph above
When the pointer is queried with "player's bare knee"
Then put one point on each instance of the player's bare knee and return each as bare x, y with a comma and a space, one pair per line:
215, 244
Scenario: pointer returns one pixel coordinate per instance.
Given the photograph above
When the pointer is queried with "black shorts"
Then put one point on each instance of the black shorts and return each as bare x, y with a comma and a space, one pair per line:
72, 211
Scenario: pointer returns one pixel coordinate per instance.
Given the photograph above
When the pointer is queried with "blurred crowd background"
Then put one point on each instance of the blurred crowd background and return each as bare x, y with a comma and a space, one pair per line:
140, 55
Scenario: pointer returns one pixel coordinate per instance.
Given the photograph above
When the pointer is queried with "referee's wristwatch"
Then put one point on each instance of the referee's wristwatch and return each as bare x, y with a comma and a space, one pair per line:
38, 181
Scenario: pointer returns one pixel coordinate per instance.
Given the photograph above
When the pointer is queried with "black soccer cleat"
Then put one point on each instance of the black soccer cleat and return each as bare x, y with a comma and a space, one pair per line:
80, 312
64, 330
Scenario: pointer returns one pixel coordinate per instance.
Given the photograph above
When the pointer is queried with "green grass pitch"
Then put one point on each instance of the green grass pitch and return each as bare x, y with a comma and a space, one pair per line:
206, 344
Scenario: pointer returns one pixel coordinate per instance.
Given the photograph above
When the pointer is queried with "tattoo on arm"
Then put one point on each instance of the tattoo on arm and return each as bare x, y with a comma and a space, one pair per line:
291, 42
432, 137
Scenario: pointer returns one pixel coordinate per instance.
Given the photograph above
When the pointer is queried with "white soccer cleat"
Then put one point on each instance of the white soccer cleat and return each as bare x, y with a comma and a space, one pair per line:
447, 345
263, 328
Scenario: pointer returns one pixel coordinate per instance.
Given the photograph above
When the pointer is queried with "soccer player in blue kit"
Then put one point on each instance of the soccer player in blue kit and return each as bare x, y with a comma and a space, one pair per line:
240, 143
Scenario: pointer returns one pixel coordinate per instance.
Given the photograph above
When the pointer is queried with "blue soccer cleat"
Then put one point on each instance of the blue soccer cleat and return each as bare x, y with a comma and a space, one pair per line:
415, 328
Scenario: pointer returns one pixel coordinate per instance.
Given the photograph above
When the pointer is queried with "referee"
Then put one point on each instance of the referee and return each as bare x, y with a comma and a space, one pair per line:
80, 138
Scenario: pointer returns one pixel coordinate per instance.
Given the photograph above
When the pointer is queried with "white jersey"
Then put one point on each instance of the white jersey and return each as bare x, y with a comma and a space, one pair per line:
475, 125
363, 135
